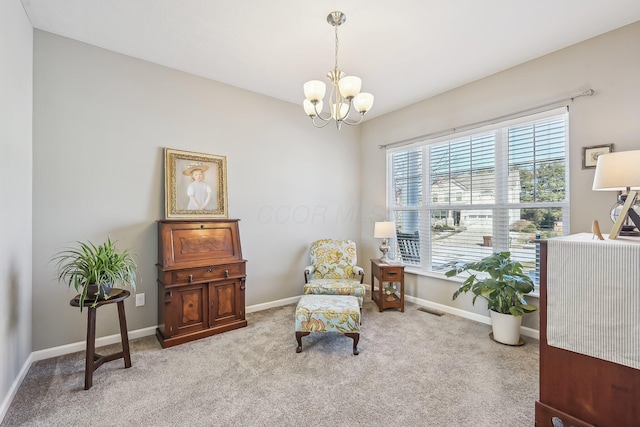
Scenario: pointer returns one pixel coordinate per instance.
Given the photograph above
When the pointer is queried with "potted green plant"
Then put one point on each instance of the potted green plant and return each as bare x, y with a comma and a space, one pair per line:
500, 281
93, 270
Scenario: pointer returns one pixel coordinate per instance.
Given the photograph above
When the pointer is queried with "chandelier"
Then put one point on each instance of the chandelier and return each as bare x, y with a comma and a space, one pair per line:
345, 93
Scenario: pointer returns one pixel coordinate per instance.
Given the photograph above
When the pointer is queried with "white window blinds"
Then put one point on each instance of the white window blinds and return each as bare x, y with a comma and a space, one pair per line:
498, 188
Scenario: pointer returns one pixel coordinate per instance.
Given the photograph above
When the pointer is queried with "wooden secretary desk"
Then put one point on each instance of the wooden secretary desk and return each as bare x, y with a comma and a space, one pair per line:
201, 279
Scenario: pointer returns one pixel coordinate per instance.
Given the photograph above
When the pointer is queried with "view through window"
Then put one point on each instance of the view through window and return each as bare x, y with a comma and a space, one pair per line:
461, 198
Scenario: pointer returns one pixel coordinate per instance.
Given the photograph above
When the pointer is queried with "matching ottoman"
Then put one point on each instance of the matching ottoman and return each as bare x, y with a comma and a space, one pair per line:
328, 313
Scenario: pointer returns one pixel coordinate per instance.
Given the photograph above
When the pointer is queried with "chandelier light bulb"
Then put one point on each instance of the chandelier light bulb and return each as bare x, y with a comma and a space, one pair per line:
309, 108
363, 102
344, 110
314, 90
350, 86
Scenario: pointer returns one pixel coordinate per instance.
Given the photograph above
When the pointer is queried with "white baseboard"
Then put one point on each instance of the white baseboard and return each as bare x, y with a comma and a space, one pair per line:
15, 386
82, 345
60, 351
139, 333
529, 332
271, 304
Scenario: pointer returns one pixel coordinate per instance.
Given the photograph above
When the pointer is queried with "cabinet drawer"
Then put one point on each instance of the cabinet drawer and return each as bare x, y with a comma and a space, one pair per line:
208, 273
391, 274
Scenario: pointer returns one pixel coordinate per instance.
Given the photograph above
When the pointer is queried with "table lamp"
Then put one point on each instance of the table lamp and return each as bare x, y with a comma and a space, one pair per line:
384, 230
621, 172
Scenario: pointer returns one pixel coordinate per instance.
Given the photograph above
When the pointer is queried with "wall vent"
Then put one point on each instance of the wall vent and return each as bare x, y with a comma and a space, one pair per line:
430, 311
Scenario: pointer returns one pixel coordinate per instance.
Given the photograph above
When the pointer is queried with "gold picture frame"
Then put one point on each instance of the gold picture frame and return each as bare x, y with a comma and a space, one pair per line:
195, 185
590, 154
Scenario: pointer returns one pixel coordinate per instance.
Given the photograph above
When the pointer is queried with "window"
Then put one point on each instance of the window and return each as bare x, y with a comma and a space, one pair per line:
494, 189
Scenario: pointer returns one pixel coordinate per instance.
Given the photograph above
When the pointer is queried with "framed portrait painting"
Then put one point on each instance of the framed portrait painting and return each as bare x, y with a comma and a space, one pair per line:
195, 185
590, 154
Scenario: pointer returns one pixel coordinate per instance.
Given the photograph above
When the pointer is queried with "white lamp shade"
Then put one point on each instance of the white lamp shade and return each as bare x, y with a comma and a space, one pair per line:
617, 171
384, 230
350, 86
344, 109
363, 102
310, 109
314, 90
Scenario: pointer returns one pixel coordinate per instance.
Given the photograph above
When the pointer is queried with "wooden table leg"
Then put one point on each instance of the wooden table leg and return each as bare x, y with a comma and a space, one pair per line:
91, 348
299, 336
355, 336
123, 335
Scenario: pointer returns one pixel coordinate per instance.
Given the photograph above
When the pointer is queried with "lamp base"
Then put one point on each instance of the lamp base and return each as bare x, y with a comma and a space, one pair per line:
626, 212
384, 248
629, 230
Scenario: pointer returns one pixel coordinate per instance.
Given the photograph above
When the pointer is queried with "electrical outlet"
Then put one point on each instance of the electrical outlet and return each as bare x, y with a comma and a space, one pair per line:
139, 300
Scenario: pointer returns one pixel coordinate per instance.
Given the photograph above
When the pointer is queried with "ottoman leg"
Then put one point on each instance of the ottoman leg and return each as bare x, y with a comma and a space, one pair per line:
356, 337
299, 336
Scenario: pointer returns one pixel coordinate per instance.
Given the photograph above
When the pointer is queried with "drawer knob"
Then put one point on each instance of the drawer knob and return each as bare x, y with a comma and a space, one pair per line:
208, 270
226, 273
392, 273
190, 278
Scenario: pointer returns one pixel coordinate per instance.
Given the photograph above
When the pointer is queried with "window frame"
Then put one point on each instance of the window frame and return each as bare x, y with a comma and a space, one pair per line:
500, 207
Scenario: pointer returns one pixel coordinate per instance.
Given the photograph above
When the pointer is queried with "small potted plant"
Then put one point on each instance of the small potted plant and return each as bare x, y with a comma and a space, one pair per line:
390, 292
503, 287
93, 270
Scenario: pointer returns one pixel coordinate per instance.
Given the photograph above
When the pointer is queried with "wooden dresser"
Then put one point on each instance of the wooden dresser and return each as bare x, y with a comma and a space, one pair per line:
201, 279
577, 389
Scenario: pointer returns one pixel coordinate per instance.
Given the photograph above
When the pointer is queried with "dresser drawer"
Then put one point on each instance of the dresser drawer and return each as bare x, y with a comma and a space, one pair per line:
214, 272
391, 274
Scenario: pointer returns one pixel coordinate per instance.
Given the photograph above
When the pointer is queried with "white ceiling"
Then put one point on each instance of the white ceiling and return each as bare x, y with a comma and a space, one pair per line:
404, 51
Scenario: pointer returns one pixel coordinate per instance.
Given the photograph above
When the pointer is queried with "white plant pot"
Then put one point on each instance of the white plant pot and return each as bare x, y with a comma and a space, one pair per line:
506, 328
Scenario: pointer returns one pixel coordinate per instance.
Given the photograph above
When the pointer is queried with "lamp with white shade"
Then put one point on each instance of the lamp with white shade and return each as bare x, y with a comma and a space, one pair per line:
384, 230
621, 172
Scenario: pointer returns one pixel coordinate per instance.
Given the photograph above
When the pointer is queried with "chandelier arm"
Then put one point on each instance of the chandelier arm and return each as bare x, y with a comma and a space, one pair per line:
323, 124
348, 108
319, 113
353, 123
324, 119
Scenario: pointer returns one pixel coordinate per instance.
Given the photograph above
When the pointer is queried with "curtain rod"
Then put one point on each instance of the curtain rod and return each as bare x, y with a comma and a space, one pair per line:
484, 122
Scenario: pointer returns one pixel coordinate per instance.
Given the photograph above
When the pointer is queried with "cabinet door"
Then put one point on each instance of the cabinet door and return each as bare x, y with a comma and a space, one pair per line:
186, 310
226, 302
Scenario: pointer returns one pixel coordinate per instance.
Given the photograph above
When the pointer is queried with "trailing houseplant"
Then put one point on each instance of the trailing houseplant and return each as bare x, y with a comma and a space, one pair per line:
94, 269
500, 281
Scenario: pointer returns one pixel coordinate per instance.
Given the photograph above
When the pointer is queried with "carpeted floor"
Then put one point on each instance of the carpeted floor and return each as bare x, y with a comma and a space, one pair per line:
414, 369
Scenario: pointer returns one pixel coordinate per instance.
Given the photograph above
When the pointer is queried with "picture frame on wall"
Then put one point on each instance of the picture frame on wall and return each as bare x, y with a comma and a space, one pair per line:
590, 154
195, 185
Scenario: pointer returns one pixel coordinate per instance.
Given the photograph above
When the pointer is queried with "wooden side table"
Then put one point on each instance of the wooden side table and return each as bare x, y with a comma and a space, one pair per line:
93, 360
390, 273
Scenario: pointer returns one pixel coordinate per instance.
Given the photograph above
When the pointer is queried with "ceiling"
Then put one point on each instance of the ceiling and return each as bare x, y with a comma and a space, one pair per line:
404, 51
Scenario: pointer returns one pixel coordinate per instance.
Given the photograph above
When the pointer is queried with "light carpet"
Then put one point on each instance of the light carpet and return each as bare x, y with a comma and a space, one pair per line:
414, 369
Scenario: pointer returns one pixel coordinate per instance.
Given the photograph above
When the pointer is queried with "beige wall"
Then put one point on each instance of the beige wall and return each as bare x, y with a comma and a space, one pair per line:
609, 64
16, 47
101, 121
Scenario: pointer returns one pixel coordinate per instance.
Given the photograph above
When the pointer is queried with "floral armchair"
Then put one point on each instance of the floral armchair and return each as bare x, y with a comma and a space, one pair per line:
333, 270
